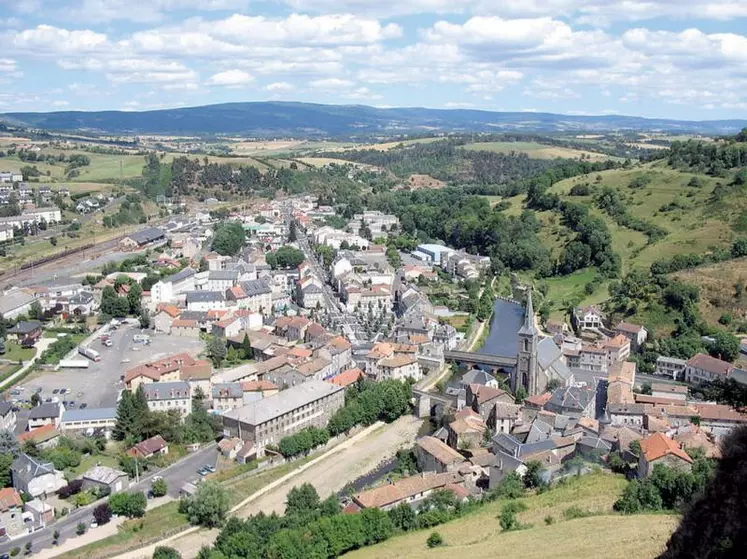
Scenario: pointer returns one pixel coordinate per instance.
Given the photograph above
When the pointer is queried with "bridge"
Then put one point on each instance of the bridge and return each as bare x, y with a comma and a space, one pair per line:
495, 361
433, 404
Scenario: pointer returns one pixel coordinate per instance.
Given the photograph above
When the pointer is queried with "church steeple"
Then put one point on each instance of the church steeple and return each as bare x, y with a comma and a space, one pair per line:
529, 328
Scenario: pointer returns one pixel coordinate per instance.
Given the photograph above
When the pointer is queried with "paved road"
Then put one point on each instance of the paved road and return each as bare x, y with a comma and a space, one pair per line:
175, 475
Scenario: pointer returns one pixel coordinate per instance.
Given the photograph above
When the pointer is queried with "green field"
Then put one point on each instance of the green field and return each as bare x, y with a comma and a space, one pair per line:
16, 353
604, 534
536, 150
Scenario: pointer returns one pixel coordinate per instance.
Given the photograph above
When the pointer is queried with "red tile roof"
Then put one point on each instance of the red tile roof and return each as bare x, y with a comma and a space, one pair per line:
9, 498
347, 378
40, 434
172, 310
155, 369
258, 385
658, 446
628, 327
149, 446
710, 364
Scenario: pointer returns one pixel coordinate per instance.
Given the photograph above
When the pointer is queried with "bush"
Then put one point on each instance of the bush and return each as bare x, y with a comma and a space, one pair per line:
575, 512
549, 519
435, 540
163, 552
508, 519
15, 551
159, 488
131, 505
84, 499
102, 514
72, 488
209, 506
80, 529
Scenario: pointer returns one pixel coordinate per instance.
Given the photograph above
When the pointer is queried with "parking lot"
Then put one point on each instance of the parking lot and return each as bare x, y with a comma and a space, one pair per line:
100, 384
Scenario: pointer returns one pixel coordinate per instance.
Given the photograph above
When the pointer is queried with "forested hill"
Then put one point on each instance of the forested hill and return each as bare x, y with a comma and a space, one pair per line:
272, 119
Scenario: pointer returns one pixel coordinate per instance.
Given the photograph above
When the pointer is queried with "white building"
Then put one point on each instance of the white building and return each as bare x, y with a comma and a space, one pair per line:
205, 300
671, 367
167, 289
165, 396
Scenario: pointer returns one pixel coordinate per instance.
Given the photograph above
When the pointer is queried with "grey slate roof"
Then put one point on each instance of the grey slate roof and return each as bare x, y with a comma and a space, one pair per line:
89, 414
312, 288
228, 390
25, 468
571, 398
82, 298
180, 275
199, 316
529, 327
476, 376
256, 287
205, 296
147, 235
43, 411
166, 390
25, 327
223, 275
539, 431
596, 443
284, 402
550, 359
104, 475
5, 408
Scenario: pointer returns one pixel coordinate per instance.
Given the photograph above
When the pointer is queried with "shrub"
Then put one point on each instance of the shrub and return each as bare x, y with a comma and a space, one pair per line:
508, 519
102, 513
159, 488
549, 519
575, 512
15, 551
163, 552
435, 540
131, 505
80, 529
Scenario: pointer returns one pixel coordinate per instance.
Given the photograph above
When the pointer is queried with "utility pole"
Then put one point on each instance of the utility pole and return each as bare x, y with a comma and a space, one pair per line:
137, 473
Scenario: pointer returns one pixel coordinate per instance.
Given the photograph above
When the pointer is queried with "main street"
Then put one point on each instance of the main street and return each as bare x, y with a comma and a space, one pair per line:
175, 475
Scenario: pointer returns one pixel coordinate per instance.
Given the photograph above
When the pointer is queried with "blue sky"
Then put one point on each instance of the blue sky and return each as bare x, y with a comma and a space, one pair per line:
682, 59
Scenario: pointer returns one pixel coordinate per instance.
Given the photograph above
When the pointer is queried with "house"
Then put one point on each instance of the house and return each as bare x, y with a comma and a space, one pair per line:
180, 366
593, 358
446, 335
16, 302
205, 300
467, 430
227, 328
253, 295
264, 388
11, 519
230, 446
660, 449
100, 477
588, 318
141, 239
573, 401
227, 396
246, 453
81, 304
434, 455
704, 368
482, 399
184, 328
635, 333
627, 414
504, 417
42, 513
410, 490
317, 369
618, 349
7, 417
478, 376
167, 289
45, 414
671, 391
165, 317
221, 280
95, 419
347, 378
35, 477
155, 446
25, 331
165, 396
399, 367
671, 367
44, 437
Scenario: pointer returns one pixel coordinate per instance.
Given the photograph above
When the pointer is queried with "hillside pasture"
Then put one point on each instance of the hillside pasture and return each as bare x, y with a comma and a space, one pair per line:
536, 150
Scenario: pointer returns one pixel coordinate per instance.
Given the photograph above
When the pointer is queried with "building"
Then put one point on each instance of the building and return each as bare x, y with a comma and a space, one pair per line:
618, 349
141, 239
95, 419
347, 378
165, 396
467, 430
25, 331
100, 477
671, 391
10, 176
398, 367
704, 368
573, 401
227, 396
7, 417
45, 414
180, 366
165, 316
268, 420
434, 455
11, 518
44, 437
155, 446
660, 449
221, 280
671, 367
593, 358
167, 289
205, 300
431, 253
635, 333
264, 388
35, 477
410, 490
16, 302
588, 318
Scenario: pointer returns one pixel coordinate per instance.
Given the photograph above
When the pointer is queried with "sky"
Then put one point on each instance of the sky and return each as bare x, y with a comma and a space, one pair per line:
683, 59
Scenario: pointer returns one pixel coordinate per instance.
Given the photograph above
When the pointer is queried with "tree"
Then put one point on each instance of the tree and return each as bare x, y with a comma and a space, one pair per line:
56, 537
134, 298
217, 351
552, 385
28, 548
209, 505
126, 417
164, 552
129, 504
102, 514
533, 476
403, 517
204, 266
80, 529
301, 500
9, 444
35, 311
35, 399
144, 319
725, 346
159, 488
246, 347
229, 238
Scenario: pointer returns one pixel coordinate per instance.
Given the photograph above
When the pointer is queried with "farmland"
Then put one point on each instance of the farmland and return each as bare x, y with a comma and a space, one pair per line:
536, 150
479, 535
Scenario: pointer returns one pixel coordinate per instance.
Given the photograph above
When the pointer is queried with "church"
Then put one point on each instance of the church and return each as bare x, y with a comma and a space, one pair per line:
539, 359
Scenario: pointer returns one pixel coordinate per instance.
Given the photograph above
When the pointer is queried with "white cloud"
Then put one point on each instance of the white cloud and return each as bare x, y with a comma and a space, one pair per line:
231, 78
47, 39
8, 65
60, 103
280, 87
363, 93
331, 84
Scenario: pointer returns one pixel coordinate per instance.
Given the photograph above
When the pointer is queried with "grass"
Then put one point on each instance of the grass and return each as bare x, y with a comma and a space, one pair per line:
88, 461
243, 488
604, 534
157, 523
460, 322
564, 289
536, 150
16, 353
7, 371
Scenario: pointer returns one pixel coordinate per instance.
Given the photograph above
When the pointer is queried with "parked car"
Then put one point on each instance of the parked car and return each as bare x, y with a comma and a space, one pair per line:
56, 391
83, 406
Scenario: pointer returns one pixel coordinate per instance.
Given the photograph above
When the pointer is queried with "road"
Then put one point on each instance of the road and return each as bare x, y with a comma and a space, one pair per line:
175, 475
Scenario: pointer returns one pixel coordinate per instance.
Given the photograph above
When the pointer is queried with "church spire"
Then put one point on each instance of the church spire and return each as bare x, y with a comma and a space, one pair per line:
529, 327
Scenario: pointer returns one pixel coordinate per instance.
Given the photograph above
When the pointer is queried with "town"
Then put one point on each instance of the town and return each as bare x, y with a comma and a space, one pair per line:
229, 343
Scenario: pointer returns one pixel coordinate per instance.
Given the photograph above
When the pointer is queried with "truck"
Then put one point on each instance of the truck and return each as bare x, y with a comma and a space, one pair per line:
92, 354
141, 339
74, 364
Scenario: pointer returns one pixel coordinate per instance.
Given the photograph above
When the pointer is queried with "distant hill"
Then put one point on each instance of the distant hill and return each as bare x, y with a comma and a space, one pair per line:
265, 119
